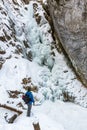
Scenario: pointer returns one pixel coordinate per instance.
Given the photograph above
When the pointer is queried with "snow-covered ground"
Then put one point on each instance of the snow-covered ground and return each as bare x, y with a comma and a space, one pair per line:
51, 116
49, 73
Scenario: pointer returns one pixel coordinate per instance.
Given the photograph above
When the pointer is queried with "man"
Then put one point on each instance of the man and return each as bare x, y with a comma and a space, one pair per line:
30, 95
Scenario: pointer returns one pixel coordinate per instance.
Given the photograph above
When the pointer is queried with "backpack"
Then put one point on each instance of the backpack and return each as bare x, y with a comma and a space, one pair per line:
26, 98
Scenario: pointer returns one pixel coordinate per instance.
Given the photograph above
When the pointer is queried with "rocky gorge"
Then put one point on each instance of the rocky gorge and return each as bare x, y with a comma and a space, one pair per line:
31, 36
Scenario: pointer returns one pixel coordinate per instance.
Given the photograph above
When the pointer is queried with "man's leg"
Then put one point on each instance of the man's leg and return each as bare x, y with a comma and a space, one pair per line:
29, 109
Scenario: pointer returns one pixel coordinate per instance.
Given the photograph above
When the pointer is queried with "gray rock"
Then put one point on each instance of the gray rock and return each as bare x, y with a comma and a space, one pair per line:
70, 23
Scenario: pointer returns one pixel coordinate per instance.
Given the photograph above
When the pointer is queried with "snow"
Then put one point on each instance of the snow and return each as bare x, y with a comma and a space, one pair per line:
52, 116
49, 73
71, 116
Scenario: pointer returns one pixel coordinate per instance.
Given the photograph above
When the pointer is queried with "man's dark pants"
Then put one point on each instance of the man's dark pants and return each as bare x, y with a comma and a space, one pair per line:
29, 109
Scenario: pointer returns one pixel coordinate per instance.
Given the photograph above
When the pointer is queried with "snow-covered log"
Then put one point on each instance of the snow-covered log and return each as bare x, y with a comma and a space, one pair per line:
11, 108
11, 120
36, 126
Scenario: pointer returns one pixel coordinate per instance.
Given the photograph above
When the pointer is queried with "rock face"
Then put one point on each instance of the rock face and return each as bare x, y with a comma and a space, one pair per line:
70, 23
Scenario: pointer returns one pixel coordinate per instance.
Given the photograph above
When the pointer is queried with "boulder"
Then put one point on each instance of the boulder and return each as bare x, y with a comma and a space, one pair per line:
70, 23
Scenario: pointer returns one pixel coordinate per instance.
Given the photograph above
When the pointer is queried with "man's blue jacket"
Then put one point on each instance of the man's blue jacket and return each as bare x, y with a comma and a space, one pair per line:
29, 93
